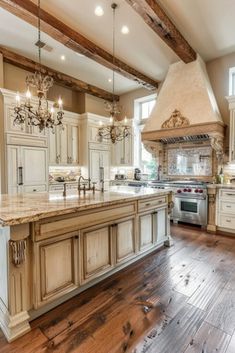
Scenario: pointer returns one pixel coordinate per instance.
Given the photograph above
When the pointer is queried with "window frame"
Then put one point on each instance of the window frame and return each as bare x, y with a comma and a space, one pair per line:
139, 123
232, 81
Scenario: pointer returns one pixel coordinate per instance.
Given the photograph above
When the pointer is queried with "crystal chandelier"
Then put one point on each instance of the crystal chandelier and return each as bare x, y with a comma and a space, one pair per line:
116, 130
41, 115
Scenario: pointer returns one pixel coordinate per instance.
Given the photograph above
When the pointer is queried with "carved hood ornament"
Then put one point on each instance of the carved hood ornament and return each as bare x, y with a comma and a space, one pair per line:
176, 120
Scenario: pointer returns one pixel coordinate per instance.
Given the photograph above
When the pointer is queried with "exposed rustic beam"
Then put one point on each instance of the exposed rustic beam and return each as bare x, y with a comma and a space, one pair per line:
59, 77
28, 11
157, 19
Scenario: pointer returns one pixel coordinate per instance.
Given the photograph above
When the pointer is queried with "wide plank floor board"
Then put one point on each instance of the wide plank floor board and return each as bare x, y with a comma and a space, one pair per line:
175, 300
209, 339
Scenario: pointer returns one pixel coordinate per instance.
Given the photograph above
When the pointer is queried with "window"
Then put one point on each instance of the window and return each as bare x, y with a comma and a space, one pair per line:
142, 158
232, 81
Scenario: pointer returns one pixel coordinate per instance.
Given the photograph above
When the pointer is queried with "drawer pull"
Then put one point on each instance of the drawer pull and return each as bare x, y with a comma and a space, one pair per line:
229, 194
228, 206
228, 220
147, 204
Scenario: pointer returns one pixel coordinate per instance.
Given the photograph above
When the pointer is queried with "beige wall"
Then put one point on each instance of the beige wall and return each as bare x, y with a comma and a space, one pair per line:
14, 79
218, 71
127, 101
94, 105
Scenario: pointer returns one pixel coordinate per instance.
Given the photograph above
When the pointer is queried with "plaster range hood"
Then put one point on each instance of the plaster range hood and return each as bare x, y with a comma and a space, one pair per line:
186, 109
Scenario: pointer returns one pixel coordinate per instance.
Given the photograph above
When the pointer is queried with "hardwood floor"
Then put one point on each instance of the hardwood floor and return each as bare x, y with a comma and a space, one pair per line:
178, 300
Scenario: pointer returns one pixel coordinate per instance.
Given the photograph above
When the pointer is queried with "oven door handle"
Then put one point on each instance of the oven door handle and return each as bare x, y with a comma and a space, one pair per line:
191, 198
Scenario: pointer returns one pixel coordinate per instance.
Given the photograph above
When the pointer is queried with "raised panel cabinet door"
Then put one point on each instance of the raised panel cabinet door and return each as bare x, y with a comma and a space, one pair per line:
161, 217
94, 161
125, 241
74, 144
35, 166
13, 172
62, 144
105, 162
146, 238
58, 268
96, 251
52, 148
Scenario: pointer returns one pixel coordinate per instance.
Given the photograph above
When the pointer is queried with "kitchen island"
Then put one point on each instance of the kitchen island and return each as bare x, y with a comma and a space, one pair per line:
53, 247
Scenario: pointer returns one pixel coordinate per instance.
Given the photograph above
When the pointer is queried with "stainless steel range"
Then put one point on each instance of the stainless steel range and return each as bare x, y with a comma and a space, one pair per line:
190, 200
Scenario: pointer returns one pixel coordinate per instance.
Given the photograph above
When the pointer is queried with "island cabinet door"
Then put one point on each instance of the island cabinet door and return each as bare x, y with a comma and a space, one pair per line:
147, 233
125, 239
160, 225
97, 254
57, 268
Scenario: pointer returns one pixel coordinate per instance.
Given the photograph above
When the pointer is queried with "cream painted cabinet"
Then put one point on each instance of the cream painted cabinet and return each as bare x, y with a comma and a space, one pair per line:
56, 267
146, 231
98, 159
125, 240
160, 219
152, 228
64, 143
122, 152
97, 251
27, 169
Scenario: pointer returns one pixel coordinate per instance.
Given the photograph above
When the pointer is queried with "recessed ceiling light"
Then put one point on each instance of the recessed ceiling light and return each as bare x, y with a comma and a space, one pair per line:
125, 30
62, 57
99, 11
110, 80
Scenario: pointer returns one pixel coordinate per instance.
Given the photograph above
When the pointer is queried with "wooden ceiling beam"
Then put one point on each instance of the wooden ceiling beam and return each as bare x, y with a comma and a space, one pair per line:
156, 18
59, 77
56, 29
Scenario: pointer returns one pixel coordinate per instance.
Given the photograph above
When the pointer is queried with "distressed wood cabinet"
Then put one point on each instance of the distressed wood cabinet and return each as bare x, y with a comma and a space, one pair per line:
64, 142
125, 239
49, 260
56, 267
97, 255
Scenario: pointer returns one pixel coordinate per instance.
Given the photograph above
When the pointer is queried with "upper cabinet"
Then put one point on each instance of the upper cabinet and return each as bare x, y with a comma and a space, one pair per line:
122, 152
231, 100
64, 142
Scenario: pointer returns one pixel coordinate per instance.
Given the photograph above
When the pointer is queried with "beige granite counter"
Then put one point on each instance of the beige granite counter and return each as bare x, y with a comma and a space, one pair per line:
220, 186
24, 208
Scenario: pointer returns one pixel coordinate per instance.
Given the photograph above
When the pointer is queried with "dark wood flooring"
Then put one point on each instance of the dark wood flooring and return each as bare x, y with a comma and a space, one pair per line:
178, 300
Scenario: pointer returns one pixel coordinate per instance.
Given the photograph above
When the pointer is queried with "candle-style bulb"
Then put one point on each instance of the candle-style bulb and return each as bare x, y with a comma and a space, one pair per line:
52, 110
60, 103
125, 120
100, 123
28, 94
111, 120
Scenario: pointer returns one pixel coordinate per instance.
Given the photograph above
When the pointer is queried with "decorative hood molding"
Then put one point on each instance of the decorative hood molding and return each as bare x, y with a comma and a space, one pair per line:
185, 107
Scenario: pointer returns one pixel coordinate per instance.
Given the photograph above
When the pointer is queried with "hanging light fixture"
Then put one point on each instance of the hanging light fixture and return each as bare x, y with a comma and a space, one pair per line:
116, 130
41, 115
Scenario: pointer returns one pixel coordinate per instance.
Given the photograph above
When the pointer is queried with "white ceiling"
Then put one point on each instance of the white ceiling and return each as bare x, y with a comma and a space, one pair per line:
208, 25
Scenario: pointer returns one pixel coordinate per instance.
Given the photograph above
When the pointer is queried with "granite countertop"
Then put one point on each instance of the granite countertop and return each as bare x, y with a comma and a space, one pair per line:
219, 186
24, 208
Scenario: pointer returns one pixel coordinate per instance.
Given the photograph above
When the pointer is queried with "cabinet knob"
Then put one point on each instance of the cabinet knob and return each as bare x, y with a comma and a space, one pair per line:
76, 237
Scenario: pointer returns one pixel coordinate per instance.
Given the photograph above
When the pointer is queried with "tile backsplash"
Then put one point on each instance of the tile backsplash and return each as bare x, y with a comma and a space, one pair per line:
196, 161
68, 173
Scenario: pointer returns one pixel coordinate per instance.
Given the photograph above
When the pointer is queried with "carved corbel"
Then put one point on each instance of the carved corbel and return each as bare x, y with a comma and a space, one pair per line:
217, 143
18, 248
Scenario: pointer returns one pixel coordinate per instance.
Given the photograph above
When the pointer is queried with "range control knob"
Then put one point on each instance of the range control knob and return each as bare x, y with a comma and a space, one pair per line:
185, 190
179, 191
201, 191
196, 190
189, 190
